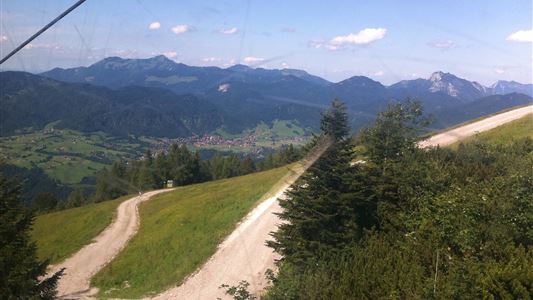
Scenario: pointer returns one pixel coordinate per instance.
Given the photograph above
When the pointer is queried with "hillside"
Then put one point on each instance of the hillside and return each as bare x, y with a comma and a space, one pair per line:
395, 226
505, 134
161, 72
448, 117
55, 241
29, 102
226, 202
252, 95
68, 156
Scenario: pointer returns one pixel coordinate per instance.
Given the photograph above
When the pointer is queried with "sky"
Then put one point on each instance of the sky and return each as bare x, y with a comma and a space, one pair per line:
388, 41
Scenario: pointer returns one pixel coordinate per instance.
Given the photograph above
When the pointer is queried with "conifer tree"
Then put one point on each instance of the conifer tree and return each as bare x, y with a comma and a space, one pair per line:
19, 268
247, 165
319, 217
395, 132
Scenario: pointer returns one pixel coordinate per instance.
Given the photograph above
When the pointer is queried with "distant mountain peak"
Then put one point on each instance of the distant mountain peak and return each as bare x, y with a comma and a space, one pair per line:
359, 79
443, 76
505, 87
436, 76
240, 68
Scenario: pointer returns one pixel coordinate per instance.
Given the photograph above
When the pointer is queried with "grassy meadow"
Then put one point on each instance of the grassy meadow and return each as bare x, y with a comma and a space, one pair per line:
60, 234
66, 155
179, 231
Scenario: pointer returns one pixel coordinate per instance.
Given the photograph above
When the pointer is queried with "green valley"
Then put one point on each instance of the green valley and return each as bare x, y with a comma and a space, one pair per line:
67, 155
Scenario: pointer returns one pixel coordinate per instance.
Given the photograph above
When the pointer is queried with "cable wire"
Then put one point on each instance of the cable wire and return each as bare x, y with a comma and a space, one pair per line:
38, 33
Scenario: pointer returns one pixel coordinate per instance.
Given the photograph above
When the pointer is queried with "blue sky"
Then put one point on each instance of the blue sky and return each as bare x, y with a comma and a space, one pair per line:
385, 40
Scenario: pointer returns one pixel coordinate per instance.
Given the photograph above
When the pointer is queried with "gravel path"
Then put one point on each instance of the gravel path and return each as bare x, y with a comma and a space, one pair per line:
451, 136
92, 258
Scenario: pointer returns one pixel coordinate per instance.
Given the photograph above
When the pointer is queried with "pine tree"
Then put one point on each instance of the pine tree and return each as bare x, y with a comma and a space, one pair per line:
319, 217
147, 177
395, 132
334, 122
19, 268
109, 186
44, 202
247, 166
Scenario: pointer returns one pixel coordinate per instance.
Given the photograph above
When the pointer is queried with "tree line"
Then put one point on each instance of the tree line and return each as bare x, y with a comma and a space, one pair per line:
181, 165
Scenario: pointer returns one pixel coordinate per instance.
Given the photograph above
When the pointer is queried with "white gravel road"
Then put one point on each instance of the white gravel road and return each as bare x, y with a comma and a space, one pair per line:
92, 258
451, 136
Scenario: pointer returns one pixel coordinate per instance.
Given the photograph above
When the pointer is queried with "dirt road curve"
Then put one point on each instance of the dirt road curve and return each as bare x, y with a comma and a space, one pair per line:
243, 255
454, 135
90, 259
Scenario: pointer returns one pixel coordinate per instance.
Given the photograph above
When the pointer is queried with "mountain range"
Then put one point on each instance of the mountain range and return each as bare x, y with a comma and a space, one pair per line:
159, 97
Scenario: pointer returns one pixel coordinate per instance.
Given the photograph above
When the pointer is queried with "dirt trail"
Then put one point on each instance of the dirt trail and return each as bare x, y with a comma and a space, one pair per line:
451, 136
93, 257
243, 255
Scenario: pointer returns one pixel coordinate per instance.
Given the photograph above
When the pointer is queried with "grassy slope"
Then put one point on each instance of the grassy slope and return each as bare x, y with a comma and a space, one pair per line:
60, 234
180, 231
503, 134
66, 155
471, 121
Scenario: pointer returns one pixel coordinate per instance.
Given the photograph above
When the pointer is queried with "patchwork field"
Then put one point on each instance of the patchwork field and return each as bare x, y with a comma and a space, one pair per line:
67, 155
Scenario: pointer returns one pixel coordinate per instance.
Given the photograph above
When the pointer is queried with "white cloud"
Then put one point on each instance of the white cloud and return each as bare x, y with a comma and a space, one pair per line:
251, 60
378, 73
363, 37
3, 38
233, 30
499, 71
183, 28
170, 54
444, 44
524, 36
154, 26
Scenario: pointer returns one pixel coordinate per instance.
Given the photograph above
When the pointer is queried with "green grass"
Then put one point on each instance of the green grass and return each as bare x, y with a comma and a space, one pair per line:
67, 155
179, 231
506, 133
429, 134
62, 233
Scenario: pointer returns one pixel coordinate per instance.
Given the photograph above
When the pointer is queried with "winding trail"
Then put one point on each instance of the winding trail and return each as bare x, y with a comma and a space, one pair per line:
75, 283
